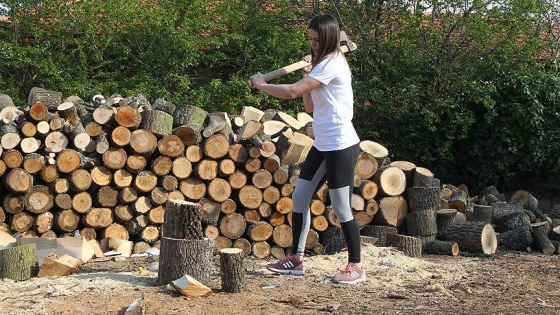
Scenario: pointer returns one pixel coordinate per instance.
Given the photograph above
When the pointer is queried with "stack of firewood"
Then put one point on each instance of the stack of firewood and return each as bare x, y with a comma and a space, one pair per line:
107, 167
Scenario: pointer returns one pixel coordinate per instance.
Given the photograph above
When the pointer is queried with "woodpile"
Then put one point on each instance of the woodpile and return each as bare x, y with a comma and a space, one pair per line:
108, 167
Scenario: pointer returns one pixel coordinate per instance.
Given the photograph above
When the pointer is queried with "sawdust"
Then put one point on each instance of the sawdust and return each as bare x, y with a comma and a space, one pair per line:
387, 268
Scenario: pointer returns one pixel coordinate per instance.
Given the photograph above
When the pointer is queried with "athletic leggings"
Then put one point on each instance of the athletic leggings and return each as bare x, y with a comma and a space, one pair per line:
337, 168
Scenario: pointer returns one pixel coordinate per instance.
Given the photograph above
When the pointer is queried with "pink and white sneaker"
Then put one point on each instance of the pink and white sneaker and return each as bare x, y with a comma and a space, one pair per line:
288, 265
352, 274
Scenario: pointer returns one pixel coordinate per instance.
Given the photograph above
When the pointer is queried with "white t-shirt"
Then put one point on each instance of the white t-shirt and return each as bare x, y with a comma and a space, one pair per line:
333, 105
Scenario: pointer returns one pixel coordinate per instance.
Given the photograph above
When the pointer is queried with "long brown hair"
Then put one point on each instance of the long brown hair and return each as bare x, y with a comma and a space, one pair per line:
329, 36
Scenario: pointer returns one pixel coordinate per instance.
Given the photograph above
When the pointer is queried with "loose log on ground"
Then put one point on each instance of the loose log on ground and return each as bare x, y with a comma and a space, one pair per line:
475, 237
439, 247
380, 232
421, 223
517, 239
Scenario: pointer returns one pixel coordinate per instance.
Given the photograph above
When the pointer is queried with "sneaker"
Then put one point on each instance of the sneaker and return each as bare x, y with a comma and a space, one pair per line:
351, 274
287, 265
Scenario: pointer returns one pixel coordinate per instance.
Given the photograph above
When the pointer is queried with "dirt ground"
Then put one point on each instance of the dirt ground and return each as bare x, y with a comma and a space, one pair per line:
504, 283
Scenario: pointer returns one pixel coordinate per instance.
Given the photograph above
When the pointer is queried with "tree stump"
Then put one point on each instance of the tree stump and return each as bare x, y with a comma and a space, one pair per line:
19, 262
232, 270
474, 237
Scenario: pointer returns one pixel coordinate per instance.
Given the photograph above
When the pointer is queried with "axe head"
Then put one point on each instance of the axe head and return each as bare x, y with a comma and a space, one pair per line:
346, 41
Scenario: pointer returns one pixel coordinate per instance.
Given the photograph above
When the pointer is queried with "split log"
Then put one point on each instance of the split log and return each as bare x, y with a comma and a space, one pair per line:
293, 149
392, 211
408, 169
378, 151
58, 266
232, 270
475, 237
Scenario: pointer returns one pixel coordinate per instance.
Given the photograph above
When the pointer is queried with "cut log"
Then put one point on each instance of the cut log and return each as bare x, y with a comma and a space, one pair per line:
238, 153
216, 146
161, 165
458, 200
232, 270
410, 246
145, 181
98, 218
219, 189
143, 142
482, 213
378, 151
171, 145
251, 113
423, 177
366, 165
19, 262
82, 202
206, 169
18, 180
190, 134
189, 114
421, 223
540, 232
120, 136
193, 188
380, 232
517, 239
115, 158
69, 160
526, 199
157, 122
38, 199
259, 231
260, 250
474, 237
438, 247
390, 181
128, 116
12, 158
185, 256
445, 218
423, 198
136, 163
232, 225
55, 142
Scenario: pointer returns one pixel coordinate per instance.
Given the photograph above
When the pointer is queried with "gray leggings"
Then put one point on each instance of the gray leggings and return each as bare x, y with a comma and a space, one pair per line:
337, 168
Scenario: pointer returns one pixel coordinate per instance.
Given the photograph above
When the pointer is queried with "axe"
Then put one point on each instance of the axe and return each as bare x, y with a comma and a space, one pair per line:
347, 45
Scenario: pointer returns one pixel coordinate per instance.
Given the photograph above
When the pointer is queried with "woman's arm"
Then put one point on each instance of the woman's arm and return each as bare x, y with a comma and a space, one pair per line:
285, 91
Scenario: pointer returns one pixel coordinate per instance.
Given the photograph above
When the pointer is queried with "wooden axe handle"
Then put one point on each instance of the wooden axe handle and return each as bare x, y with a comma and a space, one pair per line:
289, 68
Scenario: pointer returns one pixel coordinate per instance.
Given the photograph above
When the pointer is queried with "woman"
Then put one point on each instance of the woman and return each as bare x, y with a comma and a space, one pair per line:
326, 88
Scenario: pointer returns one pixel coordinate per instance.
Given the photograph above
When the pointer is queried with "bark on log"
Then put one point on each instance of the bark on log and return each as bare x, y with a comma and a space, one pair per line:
517, 239
409, 245
423, 198
19, 263
185, 256
439, 247
232, 270
183, 220
540, 232
380, 232
421, 223
445, 218
474, 237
